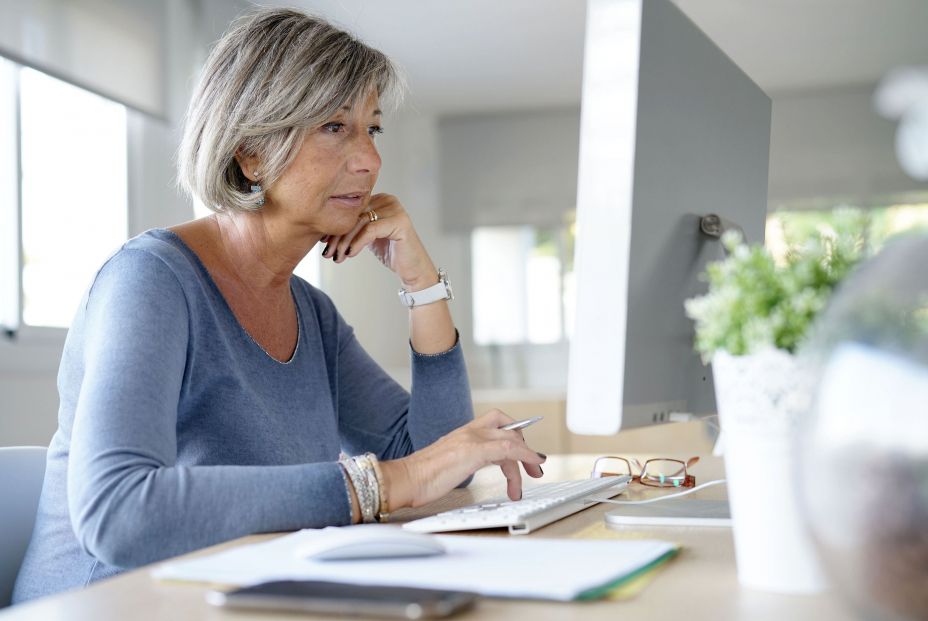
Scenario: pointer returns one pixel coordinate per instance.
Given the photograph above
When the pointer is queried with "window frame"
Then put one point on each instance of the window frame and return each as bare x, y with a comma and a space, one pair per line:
18, 331
11, 320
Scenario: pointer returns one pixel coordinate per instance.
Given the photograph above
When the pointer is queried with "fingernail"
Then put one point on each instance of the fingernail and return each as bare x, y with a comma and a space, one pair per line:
541, 471
335, 256
326, 249
542, 455
348, 251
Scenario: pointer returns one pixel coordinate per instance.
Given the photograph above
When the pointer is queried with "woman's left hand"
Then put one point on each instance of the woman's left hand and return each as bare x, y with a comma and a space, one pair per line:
393, 240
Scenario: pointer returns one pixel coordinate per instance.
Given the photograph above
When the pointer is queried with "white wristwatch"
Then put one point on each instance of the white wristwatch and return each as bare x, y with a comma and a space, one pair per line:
435, 293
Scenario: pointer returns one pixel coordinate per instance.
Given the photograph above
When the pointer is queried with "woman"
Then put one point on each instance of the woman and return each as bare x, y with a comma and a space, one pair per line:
206, 392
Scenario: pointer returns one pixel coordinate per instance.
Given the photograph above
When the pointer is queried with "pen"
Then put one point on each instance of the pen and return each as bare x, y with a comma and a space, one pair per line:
521, 424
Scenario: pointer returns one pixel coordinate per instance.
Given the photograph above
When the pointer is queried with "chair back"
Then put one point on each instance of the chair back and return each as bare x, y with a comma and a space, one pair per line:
22, 470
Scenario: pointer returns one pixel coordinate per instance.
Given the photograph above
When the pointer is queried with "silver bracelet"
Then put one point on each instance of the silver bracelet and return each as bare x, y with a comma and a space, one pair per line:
365, 462
348, 486
382, 513
361, 488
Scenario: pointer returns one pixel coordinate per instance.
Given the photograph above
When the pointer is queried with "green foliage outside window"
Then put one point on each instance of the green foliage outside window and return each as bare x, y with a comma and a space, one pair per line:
755, 301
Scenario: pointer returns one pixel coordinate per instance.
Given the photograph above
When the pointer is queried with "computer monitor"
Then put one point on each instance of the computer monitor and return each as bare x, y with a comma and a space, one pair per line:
671, 130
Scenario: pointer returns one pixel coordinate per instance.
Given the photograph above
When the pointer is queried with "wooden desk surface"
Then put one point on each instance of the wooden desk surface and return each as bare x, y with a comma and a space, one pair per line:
699, 584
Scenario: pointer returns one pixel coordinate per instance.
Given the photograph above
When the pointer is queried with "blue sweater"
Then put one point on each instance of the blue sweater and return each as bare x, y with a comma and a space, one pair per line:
176, 431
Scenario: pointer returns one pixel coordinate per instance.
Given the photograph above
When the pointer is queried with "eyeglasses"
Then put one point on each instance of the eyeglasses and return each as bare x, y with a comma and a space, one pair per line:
658, 472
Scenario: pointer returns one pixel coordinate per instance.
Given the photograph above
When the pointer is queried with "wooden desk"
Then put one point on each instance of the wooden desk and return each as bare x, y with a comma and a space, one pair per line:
699, 584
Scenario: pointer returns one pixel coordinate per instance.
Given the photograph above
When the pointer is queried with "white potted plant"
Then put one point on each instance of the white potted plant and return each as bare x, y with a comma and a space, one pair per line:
750, 324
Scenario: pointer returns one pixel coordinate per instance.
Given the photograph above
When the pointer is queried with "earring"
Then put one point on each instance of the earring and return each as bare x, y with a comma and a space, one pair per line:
255, 188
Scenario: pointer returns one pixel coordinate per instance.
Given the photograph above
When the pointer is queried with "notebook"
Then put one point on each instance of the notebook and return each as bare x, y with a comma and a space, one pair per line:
507, 567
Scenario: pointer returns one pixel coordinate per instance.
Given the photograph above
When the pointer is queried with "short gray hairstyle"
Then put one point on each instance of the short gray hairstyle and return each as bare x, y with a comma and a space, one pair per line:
274, 74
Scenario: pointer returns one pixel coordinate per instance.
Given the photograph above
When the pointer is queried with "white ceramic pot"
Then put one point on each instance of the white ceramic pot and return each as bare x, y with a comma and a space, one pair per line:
760, 400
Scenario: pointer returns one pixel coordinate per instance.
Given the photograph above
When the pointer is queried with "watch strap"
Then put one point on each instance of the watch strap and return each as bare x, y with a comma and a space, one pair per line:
437, 292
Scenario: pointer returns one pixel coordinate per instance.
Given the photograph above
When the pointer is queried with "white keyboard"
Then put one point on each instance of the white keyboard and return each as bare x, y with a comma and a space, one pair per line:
540, 505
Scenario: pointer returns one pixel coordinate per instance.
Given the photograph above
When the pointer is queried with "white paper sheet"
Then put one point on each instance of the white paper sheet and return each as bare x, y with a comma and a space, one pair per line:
533, 568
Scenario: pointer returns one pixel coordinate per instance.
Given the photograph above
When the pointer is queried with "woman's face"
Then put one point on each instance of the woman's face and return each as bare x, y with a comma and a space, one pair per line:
329, 184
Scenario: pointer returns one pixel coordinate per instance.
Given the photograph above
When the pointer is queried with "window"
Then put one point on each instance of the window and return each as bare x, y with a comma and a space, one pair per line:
69, 146
523, 280
9, 200
523, 284
878, 223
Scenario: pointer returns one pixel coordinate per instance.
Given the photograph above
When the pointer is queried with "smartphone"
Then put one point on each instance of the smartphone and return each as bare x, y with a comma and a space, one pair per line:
345, 599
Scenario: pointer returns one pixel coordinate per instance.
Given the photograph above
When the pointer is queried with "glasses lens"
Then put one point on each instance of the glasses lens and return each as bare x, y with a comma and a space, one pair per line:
611, 467
664, 473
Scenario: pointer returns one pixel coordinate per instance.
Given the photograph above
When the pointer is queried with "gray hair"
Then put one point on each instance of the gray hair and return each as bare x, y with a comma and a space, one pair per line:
272, 76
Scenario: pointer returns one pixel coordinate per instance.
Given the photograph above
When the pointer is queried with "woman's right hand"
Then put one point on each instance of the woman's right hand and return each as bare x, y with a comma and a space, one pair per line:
432, 472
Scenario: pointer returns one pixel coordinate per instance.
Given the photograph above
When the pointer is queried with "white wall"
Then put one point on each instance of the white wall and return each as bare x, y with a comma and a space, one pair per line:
829, 146
509, 168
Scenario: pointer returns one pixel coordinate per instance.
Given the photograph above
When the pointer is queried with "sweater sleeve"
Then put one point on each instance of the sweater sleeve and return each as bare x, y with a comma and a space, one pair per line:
376, 414
130, 502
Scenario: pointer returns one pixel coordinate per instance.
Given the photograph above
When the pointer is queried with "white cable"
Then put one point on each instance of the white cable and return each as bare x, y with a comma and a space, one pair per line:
659, 498
711, 423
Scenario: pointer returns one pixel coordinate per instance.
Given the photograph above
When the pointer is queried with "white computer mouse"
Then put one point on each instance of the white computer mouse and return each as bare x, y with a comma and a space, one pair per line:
367, 541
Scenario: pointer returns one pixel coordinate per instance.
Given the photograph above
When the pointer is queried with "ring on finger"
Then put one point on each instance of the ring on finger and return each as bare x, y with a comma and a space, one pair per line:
372, 216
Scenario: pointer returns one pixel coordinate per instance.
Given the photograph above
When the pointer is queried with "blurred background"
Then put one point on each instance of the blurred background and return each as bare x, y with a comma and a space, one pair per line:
483, 154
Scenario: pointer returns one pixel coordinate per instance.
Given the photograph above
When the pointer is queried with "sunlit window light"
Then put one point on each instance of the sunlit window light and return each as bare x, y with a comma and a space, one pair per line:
785, 227
522, 285
74, 194
543, 291
498, 268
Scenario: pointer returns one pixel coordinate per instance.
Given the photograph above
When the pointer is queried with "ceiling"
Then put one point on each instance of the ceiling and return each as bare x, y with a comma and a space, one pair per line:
479, 55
